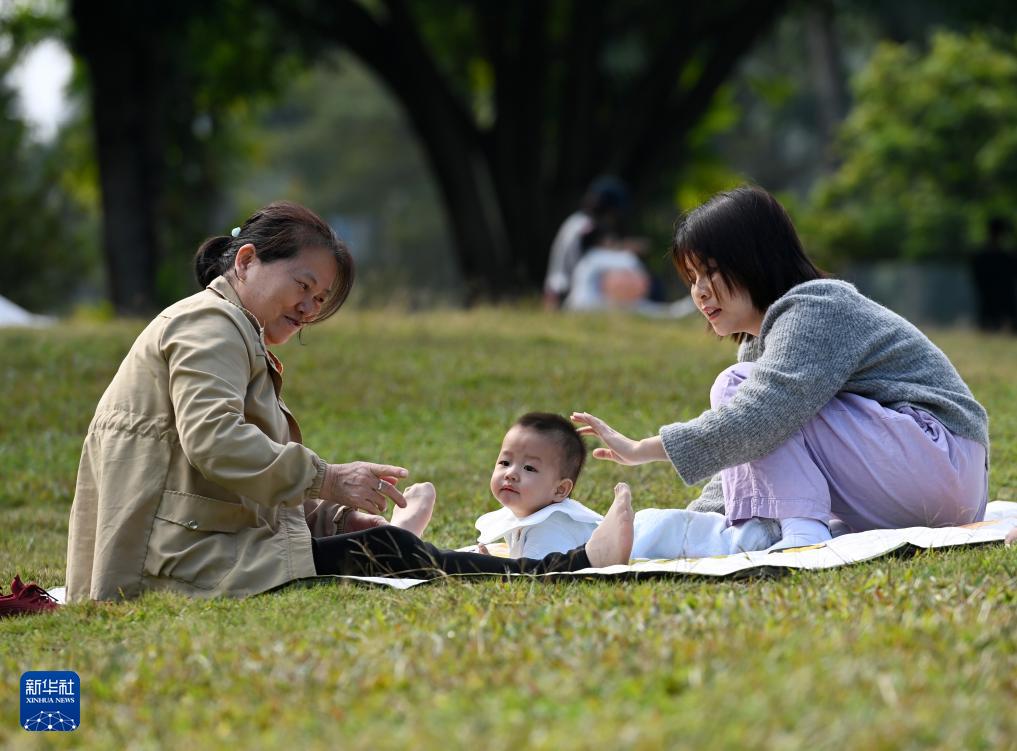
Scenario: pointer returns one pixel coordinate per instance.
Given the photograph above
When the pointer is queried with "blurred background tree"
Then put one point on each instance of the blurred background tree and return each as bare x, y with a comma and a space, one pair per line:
46, 216
448, 139
335, 141
928, 153
161, 78
519, 105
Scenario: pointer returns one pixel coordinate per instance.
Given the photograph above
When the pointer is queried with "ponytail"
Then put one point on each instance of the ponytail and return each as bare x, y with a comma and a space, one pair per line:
212, 259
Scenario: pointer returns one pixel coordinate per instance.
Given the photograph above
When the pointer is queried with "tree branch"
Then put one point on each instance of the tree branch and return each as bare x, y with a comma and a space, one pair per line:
665, 130
518, 53
392, 49
577, 137
644, 100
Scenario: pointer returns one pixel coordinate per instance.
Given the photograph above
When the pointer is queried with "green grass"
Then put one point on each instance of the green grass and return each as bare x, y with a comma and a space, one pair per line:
916, 653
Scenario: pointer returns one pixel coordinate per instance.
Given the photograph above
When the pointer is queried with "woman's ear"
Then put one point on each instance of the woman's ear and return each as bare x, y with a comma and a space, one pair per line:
242, 261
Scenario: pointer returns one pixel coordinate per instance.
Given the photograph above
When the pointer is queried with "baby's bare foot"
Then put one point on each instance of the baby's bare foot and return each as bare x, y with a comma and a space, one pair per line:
1011, 538
611, 541
419, 506
357, 521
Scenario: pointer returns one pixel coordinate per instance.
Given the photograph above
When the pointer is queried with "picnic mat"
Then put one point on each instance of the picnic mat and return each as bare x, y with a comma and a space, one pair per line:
1000, 518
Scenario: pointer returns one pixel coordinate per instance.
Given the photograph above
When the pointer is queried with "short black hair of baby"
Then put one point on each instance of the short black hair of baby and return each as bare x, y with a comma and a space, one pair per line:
564, 433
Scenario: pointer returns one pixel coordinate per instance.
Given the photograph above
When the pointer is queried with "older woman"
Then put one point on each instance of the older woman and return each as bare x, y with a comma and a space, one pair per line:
193, 477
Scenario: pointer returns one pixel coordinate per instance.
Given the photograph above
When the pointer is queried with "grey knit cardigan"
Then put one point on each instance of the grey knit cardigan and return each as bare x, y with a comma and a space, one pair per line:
822, 337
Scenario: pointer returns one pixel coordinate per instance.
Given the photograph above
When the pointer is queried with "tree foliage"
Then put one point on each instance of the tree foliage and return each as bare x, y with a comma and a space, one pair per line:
44, 216
337, 142
519, 105
161, 78
929, 151
516, 106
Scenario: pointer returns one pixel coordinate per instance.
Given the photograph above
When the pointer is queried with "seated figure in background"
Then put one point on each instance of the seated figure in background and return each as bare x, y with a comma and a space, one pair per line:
603, 207
611, 275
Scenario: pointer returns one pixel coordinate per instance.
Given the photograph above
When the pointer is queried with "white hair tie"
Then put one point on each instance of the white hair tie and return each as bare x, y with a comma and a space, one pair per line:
235, 232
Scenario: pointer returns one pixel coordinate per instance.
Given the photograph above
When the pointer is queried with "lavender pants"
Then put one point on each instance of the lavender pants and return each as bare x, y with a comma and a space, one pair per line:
861, 463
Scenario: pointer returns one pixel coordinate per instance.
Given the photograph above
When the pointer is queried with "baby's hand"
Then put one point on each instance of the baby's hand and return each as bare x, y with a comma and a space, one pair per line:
482, 548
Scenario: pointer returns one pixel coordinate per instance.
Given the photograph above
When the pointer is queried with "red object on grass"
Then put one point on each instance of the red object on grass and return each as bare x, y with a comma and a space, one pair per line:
25, 599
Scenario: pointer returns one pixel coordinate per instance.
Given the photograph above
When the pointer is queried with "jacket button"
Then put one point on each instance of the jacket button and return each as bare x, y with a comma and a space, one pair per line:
192, 524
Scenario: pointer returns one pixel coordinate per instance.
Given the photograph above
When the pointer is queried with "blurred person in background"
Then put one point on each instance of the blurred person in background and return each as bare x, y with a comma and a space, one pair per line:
611, 275
603, 207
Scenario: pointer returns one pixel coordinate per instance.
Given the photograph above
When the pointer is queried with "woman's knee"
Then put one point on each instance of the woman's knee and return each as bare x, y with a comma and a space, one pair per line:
727, 383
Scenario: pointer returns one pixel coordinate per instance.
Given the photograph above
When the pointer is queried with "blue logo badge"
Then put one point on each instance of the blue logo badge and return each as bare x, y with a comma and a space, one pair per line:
50, 700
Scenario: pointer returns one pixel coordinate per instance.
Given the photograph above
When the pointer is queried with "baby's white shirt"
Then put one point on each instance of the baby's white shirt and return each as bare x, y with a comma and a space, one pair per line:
556, 528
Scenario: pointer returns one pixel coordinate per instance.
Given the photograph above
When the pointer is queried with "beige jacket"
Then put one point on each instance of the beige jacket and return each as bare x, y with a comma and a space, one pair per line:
192, 475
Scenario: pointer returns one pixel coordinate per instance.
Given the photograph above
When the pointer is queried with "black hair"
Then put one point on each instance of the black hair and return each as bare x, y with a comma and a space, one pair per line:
749, 238
594, 237
564, 433
279, 231
606, 193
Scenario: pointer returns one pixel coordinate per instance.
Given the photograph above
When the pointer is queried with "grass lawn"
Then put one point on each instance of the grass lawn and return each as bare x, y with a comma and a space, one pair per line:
916, 653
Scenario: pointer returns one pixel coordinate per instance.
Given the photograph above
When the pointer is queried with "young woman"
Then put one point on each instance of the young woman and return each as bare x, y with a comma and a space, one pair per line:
193, 477
838, 410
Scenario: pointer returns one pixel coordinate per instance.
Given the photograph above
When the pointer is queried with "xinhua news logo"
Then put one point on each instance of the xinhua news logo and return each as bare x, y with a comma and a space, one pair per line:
50, 700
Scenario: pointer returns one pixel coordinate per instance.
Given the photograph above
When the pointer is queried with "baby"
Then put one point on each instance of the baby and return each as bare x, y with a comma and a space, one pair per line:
537, 469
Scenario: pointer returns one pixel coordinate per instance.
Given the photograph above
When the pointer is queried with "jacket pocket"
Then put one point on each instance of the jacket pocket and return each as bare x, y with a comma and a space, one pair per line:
194, 538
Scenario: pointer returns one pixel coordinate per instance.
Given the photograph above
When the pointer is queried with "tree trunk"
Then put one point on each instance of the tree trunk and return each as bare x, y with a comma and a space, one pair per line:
463, 172
562, 113
388, 44
474, 213
123, 59
828, 77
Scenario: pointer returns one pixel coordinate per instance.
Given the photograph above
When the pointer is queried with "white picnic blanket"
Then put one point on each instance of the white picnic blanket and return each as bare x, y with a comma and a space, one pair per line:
1000, 518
